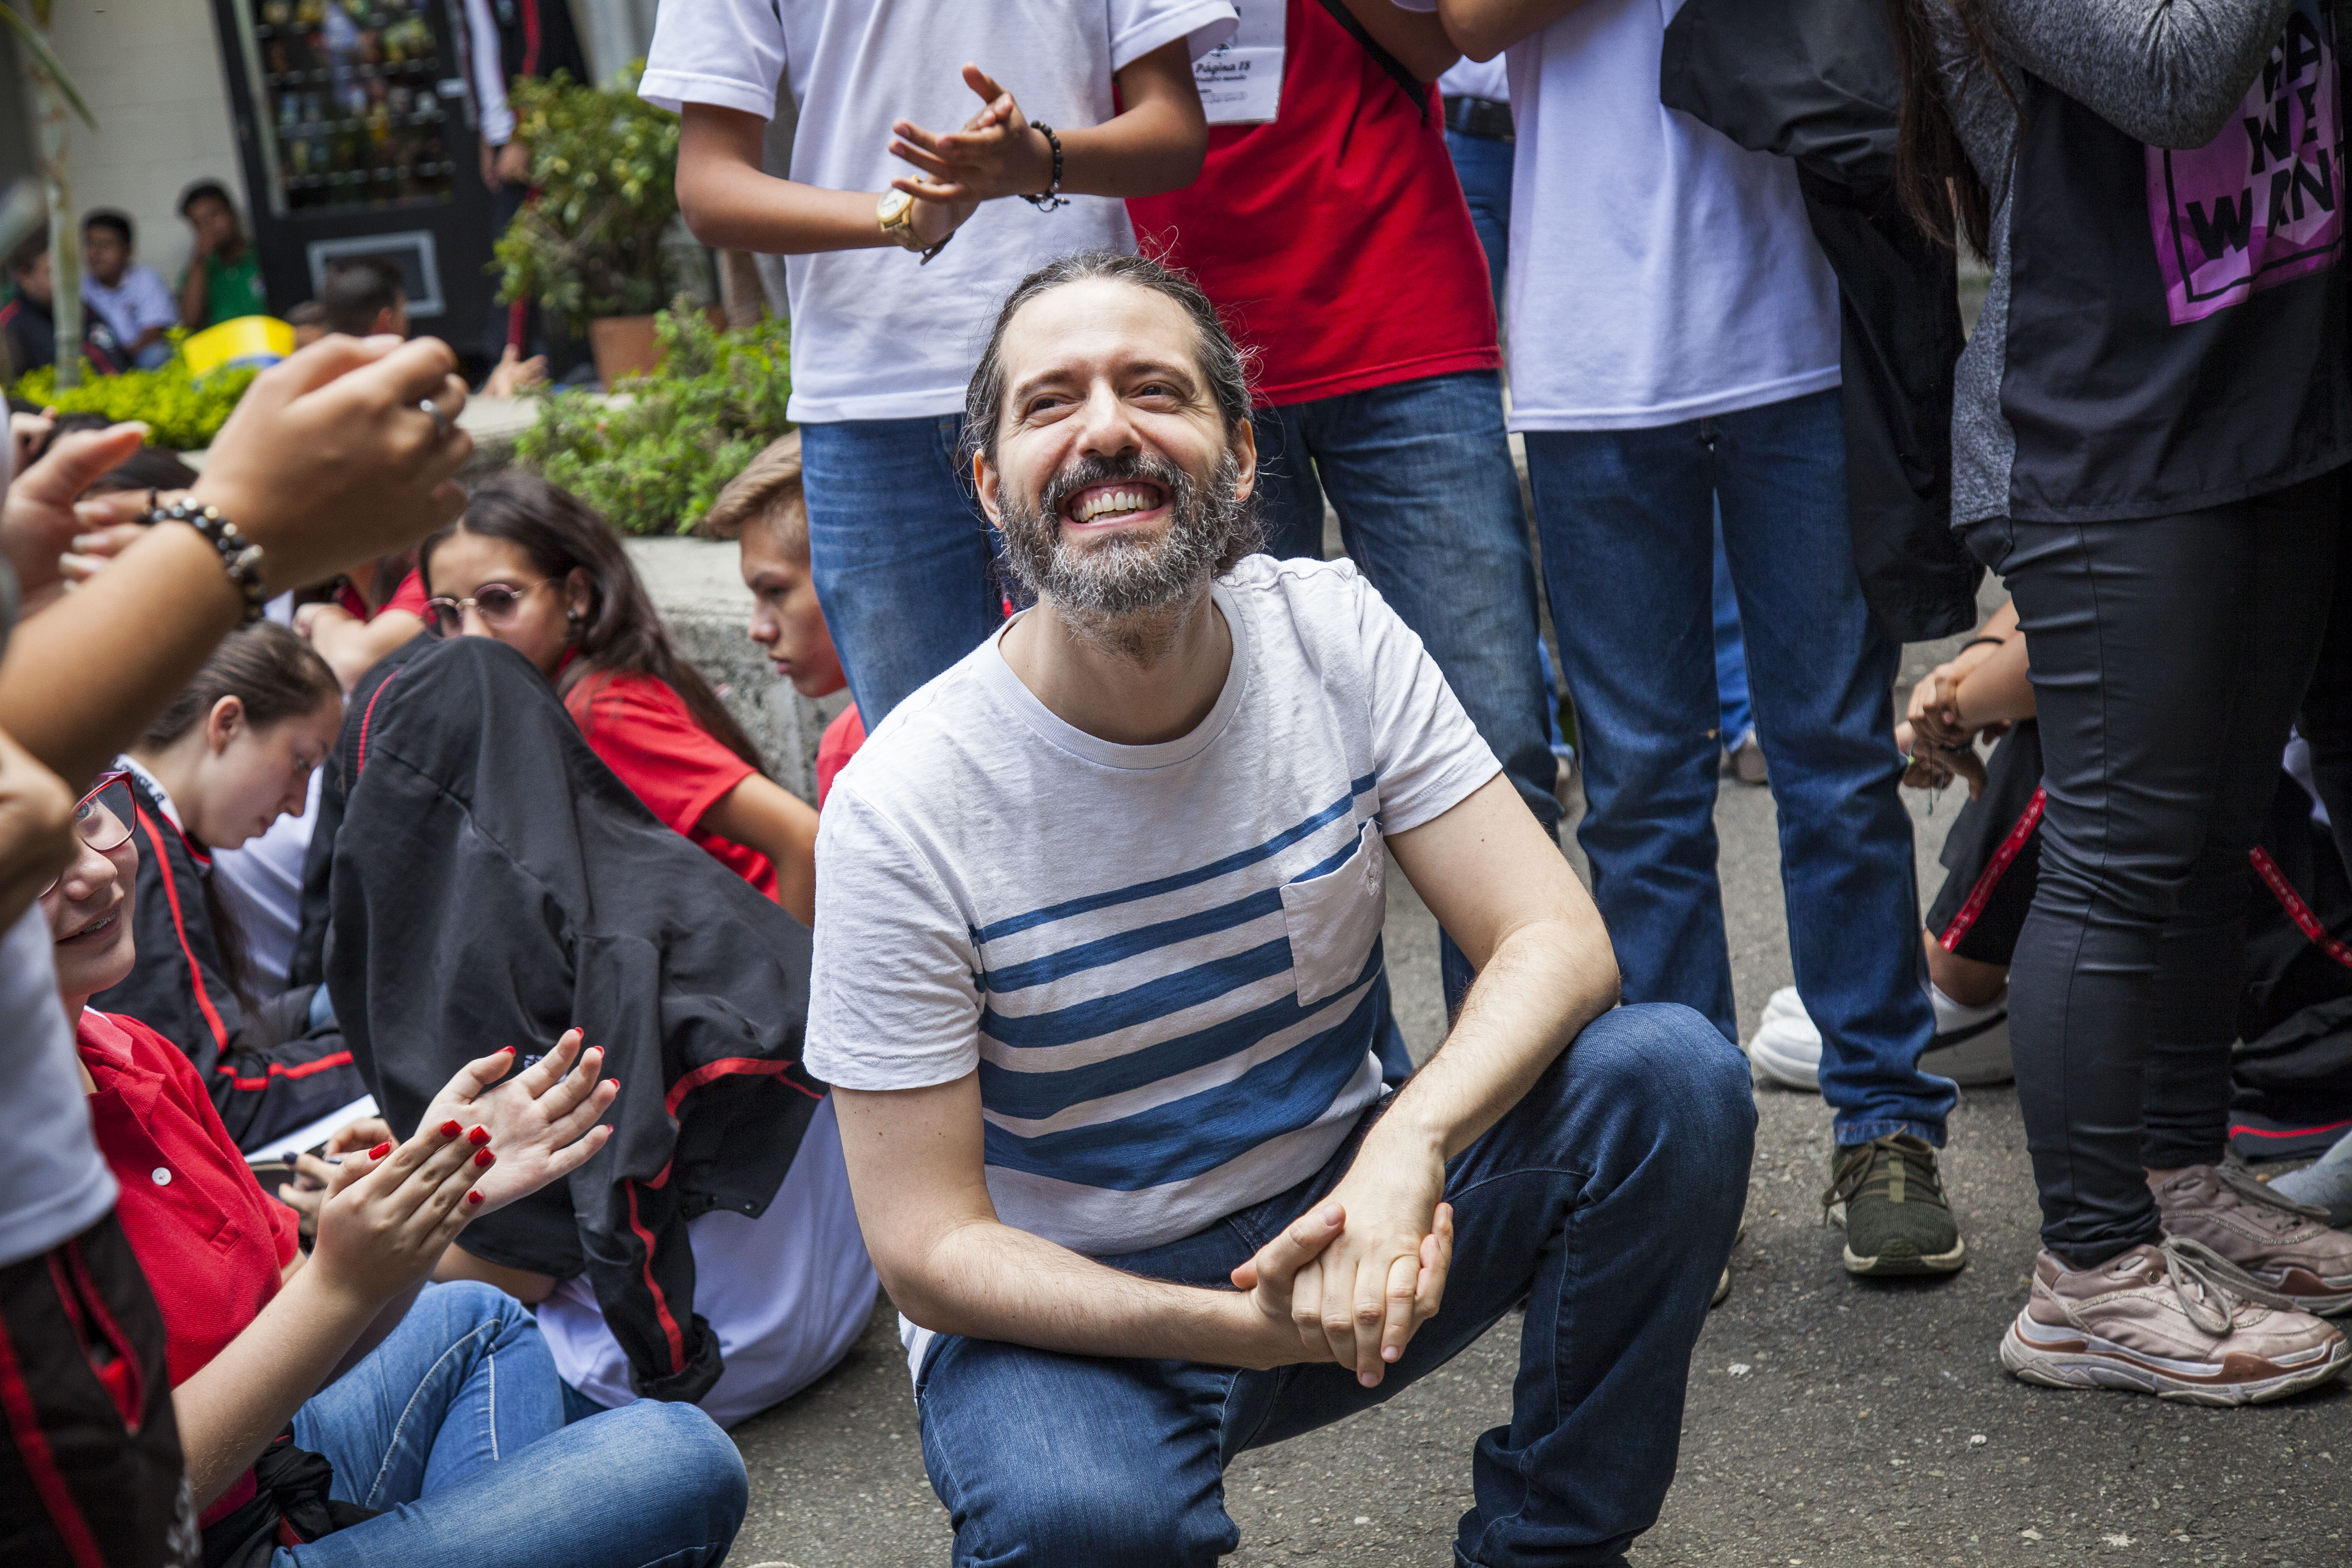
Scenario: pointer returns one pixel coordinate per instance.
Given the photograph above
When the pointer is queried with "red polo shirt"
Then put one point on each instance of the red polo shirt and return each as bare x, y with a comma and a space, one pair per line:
1335, 240
211, 1243
648, 736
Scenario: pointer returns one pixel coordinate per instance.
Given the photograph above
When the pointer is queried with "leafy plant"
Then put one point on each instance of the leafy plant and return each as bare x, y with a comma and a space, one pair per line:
653, 459
603, 165
182, 411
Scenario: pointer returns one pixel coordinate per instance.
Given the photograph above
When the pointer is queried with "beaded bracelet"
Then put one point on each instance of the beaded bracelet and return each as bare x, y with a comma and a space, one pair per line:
239, 557
1053, 197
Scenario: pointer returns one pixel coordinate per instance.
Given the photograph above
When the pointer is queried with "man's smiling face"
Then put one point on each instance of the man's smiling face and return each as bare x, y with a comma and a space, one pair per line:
1115, 482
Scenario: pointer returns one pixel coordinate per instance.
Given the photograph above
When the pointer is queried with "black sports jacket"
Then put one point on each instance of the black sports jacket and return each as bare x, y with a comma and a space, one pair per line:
270, 1075
493, 883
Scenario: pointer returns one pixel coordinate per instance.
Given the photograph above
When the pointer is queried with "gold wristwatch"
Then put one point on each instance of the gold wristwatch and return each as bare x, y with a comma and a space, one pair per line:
896, 213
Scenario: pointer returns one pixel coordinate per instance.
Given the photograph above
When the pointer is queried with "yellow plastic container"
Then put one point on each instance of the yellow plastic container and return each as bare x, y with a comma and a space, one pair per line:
256, 340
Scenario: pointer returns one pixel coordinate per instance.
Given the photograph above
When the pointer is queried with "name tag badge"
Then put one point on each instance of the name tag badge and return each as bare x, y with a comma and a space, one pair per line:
1240, 78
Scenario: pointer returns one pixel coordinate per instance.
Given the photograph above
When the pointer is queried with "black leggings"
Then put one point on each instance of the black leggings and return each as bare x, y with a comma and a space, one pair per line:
2170, 655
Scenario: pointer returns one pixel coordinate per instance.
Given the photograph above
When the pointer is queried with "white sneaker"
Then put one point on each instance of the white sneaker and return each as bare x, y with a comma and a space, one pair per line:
1970, 1044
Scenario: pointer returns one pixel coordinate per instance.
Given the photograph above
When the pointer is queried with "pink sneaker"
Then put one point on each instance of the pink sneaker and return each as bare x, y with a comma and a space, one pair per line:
2167, 1320
2267, 1240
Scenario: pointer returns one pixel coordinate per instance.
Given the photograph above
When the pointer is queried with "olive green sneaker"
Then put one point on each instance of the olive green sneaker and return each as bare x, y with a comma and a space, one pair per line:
1885, 1194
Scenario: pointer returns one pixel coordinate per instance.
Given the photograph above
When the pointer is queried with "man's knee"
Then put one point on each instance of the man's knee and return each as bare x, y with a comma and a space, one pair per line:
1663, 1066
1097, 1515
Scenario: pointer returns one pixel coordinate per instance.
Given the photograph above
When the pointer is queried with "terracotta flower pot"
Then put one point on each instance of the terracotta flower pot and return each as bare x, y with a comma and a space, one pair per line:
626, 345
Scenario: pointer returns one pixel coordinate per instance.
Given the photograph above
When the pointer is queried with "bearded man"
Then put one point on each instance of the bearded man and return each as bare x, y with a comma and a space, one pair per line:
1098, 980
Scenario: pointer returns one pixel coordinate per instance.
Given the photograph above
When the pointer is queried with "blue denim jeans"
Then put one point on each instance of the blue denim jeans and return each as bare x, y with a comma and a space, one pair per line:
1730, 656
454, 1426
1420, 473
1607, 1199
1626, 518
905, 563
1484, 165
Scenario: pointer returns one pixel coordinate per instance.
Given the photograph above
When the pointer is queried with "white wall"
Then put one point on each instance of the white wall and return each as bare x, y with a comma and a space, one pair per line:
151, 72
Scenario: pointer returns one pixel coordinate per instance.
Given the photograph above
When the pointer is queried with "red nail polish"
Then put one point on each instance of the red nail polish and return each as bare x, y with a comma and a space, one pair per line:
506, 1050
380, 1150
483, 1158
473, 1197
479, 1136
450, 1130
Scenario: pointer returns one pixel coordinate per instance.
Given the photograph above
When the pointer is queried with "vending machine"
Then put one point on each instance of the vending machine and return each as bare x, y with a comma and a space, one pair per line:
356, 131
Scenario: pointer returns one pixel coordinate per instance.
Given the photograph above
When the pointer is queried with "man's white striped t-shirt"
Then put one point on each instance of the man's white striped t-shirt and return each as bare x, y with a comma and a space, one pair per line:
1164, 962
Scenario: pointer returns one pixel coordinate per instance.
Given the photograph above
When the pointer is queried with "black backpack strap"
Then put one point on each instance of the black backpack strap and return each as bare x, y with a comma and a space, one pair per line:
1411, 85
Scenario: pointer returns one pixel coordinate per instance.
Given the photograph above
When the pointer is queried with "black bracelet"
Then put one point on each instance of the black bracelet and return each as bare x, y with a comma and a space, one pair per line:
240, 558
1053, 197
1980, 642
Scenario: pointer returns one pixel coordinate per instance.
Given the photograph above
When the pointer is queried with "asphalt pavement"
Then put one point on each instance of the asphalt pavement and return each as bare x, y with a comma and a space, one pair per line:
1831, 1422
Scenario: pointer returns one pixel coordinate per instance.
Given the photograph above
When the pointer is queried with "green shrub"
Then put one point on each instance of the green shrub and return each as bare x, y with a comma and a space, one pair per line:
603, 168
182, 411
653, 461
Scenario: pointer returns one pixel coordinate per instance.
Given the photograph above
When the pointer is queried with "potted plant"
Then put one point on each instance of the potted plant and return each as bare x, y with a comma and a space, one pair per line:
587, 245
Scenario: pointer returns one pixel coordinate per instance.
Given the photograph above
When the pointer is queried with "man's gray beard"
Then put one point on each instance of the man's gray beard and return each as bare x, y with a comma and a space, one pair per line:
1122, 575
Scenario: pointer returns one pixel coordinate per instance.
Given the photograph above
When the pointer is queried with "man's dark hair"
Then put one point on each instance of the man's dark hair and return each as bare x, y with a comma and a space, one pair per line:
1224, 366
357, 290
309, 313
29, 251
203, 188
107, 217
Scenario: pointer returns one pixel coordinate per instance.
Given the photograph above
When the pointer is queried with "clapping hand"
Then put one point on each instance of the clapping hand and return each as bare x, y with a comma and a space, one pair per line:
545, 1123
994, 155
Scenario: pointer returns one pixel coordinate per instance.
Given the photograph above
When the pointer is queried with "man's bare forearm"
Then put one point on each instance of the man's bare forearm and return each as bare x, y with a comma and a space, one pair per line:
988, 1281
1485, 29
1543, 984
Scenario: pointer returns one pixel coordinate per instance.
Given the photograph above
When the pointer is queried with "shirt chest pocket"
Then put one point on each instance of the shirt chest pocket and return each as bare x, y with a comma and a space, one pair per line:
1333, 920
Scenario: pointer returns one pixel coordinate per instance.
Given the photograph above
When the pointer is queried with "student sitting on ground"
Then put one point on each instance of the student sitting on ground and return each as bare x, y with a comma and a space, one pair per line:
439, 1411
532, 566
222, 280
365, 296
234, 751
134, 299
379, 606
763, 509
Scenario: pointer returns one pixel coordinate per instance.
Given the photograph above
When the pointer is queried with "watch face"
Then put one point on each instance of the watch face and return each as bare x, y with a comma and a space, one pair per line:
893, 206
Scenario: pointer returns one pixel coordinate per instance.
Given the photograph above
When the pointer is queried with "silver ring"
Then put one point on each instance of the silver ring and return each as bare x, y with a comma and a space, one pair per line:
441, 425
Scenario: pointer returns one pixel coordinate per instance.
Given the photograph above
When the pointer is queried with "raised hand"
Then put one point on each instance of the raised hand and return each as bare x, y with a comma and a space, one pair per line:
995, 154
43, 512
545, 1123
329, 461
390, 1213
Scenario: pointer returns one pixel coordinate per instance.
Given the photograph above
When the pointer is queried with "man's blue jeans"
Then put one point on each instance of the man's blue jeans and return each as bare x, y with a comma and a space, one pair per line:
1730, 656
454, 1426
1420, 473
1626, 522
1607, 1198
905, 563
1484, 166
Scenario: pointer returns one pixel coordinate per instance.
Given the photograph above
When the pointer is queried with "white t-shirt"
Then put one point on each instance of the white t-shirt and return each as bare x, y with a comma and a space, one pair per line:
875, 335
1659, 271
53, 1182
787, 1293
1466, 78
139, 302
1164, 962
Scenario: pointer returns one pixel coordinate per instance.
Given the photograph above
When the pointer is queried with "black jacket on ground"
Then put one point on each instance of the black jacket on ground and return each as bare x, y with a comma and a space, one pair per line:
268, 1073
1817, 80
493, 883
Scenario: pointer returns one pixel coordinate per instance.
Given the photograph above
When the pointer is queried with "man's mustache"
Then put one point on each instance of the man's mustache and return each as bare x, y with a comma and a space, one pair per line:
1087, 472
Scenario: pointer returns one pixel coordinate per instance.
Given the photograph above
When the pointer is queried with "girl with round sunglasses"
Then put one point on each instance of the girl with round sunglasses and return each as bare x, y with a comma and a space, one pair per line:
534, 567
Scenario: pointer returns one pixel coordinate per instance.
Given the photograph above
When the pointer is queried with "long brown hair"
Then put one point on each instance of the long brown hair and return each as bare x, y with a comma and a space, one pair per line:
1933, 175
621, 633
276, 676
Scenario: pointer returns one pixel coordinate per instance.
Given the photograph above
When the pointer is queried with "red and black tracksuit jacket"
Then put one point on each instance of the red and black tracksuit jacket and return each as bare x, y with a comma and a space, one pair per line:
270, 1075
492, 883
